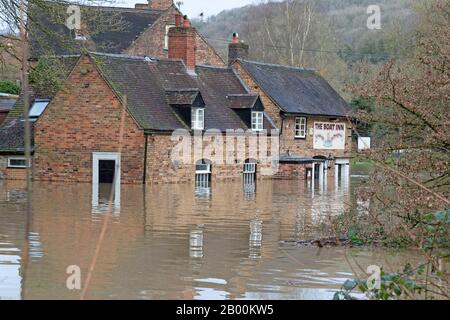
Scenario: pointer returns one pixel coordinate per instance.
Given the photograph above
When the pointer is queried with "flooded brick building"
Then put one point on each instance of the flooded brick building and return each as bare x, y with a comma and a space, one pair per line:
116, 113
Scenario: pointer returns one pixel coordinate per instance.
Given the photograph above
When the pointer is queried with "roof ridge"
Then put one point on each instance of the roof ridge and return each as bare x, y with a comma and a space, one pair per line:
182, 89
112, 8
123, 56
242, 95
278, 65
213, 67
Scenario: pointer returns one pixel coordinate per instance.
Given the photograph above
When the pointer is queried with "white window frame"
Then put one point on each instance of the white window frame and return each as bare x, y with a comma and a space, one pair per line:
16, 166
166, 36
196, 123
206, 171
257, 120
301, 127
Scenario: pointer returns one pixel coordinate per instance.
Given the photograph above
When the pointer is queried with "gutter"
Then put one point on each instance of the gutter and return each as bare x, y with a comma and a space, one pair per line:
291, 114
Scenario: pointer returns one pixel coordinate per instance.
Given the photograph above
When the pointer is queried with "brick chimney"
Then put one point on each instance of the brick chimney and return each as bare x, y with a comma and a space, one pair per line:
160, 4
182, 43
237, 49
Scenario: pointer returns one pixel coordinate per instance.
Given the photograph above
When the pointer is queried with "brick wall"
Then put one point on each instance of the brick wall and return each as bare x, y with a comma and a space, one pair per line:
152, 42
205, 53
84, 118
10, 173
292, 171
160, 4
161, 168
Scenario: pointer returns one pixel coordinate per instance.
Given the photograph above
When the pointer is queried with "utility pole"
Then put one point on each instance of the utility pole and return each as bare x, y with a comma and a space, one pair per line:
27, 136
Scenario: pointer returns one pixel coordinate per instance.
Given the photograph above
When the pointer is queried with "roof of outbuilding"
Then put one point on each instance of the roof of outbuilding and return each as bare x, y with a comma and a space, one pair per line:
12, 129
111, 29
6, 104
296, 90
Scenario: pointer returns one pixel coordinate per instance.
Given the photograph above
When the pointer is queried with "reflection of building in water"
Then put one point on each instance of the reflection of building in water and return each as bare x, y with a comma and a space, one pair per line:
188, 248
105, 199
255, 239
196, 243
13, 198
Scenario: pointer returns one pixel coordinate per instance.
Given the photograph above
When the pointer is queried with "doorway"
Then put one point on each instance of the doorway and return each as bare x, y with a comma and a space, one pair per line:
106, 171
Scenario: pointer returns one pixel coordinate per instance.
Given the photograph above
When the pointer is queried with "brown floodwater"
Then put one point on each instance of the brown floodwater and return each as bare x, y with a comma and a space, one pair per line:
175, 242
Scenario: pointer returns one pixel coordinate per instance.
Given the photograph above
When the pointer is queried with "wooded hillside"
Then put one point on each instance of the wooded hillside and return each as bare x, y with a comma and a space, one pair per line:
328, 35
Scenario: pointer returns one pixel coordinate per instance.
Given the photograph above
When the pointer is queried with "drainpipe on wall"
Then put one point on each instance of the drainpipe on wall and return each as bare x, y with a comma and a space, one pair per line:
145, 159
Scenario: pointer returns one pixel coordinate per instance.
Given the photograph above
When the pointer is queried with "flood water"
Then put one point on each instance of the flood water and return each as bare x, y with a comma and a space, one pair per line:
171, 242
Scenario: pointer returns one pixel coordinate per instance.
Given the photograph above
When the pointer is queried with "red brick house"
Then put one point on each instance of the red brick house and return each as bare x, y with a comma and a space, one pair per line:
77, 132
315, 127
142, 30
82, 122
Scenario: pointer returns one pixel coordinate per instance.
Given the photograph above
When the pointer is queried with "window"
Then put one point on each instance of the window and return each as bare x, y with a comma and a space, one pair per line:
37, 108
17, 162
257, 121
300, 128
202, 173
198, 118
166, 37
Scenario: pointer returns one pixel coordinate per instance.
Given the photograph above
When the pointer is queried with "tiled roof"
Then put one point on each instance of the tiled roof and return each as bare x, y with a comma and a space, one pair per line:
6, 104
181, 96
242, 101
154, 86
297, 91
12, 129
117, 29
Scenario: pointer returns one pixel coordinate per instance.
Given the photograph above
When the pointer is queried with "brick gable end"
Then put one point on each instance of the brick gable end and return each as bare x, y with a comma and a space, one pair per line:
84, 117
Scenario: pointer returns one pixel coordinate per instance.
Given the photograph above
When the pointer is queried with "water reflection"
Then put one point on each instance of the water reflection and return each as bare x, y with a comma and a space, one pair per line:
171, 242
104, 200
255, 241
196, 243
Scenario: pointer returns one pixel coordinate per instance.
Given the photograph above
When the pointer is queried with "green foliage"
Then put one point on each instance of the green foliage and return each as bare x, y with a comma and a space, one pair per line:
362, 105
436, 226
9, 87
392, 285
47, 76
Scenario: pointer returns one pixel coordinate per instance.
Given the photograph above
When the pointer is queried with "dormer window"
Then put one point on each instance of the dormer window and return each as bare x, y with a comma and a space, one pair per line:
257, 120
198, 118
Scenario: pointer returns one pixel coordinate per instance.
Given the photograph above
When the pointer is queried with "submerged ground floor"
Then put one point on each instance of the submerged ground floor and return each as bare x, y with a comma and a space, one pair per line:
109, 167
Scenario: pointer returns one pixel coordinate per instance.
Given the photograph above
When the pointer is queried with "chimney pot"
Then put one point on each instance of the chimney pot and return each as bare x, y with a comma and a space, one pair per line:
236, 37
186, 22
237, 49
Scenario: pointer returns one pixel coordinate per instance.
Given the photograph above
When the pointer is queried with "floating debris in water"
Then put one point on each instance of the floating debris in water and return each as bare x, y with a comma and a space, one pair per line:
323, 242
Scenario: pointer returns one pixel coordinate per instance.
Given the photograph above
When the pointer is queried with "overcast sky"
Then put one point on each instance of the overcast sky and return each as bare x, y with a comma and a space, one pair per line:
194, 7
